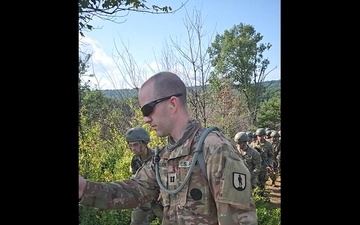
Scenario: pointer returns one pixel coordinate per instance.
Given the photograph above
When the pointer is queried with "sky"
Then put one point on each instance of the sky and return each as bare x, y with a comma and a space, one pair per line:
140, 38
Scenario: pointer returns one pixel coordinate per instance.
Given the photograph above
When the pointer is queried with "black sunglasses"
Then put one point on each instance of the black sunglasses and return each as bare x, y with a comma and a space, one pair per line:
148, 108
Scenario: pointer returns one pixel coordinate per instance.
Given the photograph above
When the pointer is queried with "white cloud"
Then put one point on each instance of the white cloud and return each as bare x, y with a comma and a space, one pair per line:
118, 72
101, 65
113, 72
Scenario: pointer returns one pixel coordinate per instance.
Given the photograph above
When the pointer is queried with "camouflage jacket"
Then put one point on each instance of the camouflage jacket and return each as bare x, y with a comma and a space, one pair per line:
253, 160
136, 161
266, 152
222, 199
276, 147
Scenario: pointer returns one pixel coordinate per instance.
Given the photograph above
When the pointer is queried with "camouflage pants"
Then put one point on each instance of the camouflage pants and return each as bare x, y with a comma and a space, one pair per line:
144, 214
274, 174
263, 177
254, 181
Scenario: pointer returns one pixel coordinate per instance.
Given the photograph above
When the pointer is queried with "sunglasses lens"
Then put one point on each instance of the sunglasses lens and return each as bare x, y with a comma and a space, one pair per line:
147, 110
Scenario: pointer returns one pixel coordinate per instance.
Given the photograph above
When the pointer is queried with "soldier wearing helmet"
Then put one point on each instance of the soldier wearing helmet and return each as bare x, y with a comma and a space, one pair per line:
254, 137
276, 144
267, 156
250, 137
138, 139
268, 133
250, 156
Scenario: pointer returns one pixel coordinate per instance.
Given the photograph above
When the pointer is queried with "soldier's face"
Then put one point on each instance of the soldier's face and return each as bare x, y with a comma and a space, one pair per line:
242, 145
260, 137
136, 147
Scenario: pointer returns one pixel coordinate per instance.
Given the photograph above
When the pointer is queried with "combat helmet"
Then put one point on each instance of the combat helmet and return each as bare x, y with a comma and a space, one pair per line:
137, 134
260, 131
241, 137
274, 133
268, 132
249, 134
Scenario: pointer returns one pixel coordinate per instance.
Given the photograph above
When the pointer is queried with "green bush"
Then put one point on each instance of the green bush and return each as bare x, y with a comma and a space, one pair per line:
92, 216
267, 215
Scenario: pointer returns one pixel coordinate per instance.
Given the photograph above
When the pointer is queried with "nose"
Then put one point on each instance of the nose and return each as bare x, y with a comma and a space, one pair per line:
147, 119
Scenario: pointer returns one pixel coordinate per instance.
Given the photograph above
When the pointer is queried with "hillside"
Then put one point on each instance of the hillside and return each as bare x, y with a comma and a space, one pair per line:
127, 93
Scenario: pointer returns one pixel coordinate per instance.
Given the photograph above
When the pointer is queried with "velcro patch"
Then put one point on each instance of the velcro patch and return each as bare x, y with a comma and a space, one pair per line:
184, 164
239, 181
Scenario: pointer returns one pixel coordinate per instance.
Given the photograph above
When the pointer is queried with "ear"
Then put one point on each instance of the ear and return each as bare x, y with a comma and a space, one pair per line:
173, 103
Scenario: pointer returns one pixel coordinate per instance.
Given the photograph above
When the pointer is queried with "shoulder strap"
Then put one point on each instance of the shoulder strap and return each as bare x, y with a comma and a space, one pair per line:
201, 159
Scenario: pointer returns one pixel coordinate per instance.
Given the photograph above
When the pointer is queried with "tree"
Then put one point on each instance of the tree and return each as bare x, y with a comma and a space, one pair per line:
270, 112
238, 55
190, 60
110, 9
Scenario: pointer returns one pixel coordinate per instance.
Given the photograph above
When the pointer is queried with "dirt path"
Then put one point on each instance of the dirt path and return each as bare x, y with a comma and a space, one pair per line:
275, 192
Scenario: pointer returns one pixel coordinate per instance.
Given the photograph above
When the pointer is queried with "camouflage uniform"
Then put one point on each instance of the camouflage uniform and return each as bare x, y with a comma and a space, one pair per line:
267, 158
276, 145
224, 198
250, 136
251, 156
144, 214
253, 161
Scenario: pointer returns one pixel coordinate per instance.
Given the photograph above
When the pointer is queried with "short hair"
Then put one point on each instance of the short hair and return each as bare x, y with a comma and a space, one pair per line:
167, 84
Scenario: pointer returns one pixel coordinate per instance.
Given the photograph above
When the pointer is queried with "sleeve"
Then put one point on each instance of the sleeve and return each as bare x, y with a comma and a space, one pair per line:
257, 162
124, 194
230, 183
271, 154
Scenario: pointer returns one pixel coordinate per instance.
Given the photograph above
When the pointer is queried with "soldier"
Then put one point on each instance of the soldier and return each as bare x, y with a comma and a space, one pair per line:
254, 137
250, 137
138, 139
276, 145
222, 195
267, 157
268, 133
250, 155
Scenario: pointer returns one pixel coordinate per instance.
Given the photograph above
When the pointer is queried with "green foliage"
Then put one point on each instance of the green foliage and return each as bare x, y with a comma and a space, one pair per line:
267, 215
92, 216
237, 55
270, 112
104, 154
155, 222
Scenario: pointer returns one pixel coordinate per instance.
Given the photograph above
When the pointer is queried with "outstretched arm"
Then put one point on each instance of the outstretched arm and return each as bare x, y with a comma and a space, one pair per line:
124, 194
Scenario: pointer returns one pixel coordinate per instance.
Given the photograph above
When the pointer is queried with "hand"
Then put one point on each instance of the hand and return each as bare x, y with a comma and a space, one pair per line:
82, 185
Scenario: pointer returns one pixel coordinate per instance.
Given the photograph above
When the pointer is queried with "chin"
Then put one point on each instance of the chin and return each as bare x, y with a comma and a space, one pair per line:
160, 134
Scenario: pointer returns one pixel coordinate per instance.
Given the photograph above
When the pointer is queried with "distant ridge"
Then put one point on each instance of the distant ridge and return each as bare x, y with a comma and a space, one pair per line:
127, 93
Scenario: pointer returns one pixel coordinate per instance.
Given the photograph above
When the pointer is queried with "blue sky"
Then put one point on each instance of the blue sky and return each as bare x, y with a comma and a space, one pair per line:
142, 36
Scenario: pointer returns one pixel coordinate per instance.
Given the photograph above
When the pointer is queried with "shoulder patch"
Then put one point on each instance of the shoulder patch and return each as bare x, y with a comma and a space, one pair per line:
239, 181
